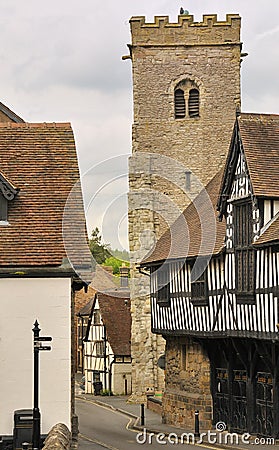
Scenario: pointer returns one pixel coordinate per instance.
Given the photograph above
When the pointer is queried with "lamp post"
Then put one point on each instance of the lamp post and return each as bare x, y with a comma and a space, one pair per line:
36, 410
37, 347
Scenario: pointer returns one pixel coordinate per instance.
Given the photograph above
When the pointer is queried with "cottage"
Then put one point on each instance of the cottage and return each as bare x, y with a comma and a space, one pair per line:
107, 342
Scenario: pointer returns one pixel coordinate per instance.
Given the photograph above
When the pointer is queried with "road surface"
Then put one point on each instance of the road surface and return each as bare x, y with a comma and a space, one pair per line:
102, 428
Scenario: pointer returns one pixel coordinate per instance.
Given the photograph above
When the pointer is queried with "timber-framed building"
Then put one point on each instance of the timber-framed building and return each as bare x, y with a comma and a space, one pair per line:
214, 293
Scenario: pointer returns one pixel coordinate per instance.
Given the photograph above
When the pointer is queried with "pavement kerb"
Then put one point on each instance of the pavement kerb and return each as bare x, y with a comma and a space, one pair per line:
137, 427
105, 405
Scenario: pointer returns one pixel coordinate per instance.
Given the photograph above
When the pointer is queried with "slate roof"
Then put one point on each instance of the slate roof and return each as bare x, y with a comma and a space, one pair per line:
260, 138
196, 232
40, 160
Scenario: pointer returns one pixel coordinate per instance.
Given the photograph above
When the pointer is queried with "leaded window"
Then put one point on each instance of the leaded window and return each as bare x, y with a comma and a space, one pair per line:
199, 290
163, 286
244, 253
100, 348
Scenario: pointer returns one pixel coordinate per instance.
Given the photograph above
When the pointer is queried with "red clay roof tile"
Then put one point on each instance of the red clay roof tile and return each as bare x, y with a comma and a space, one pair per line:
40, 160
196, 232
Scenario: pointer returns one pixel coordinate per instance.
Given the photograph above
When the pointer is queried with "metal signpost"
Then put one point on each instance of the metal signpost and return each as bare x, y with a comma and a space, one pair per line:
37, 341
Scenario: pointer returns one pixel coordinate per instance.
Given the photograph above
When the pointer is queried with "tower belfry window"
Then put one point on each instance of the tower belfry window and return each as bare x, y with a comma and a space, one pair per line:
186, 100
194, 103
179, 103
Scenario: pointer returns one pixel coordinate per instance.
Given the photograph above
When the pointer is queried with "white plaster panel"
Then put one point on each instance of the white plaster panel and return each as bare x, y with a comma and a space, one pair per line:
22, 302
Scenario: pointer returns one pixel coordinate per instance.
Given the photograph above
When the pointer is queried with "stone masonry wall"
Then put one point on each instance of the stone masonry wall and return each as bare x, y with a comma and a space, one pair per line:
187, 385
164, 148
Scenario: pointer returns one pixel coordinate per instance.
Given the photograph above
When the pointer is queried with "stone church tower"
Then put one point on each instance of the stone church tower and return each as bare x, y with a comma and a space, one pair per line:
186, 87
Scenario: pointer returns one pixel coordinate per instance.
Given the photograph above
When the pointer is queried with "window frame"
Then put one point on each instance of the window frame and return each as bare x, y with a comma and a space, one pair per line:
245, 260
199, 285
179, 96
163, 285
100, 348
192, 112
3, 208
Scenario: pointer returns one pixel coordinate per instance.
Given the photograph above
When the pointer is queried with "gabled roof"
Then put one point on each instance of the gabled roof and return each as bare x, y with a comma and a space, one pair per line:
86, 310
116, 316
196, 232
7, 115
259, 136
270, 234
6, 188
40, 160
260, 139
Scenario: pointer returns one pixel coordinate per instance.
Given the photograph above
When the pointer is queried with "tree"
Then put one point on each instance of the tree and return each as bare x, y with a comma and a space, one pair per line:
114, 263
99, 251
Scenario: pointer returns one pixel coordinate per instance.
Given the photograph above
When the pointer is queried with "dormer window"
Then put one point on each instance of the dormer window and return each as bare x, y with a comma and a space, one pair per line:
7, 193
186, 100
3, 208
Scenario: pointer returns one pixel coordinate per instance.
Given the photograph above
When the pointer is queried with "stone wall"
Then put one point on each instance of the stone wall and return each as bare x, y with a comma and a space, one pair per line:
164, 148
187, 385
59, 438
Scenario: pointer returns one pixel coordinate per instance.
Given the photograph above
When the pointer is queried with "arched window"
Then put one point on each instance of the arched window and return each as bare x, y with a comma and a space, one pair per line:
179, 104
194, 103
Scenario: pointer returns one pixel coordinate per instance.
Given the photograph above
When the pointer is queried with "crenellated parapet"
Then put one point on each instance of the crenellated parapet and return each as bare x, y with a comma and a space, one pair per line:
186, 31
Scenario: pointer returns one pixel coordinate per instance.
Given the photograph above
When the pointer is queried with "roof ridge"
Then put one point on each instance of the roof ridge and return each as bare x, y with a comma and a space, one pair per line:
35, 125
243, 114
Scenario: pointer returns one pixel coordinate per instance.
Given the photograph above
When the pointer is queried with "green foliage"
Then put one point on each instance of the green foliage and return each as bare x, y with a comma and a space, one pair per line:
106, 392
103, 254
114, 263
99, 251
121, 254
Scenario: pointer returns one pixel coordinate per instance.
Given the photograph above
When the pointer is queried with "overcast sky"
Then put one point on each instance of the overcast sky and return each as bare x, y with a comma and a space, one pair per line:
61, 61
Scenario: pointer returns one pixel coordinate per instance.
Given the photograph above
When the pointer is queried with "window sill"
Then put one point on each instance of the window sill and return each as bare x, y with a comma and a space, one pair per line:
199, 301
163, 303
245, 299
4, 223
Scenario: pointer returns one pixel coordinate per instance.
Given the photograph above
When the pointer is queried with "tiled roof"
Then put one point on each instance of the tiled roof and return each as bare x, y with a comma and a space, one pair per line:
271, 234
260, 138
10, 114
40, 160
116, 316
87, 308
196, 232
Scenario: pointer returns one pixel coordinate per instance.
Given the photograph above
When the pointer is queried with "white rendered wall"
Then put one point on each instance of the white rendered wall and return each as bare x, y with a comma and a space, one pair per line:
120, 372
23, 301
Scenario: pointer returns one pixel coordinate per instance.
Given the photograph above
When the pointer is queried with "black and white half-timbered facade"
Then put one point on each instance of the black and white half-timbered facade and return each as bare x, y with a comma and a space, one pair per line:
214, 291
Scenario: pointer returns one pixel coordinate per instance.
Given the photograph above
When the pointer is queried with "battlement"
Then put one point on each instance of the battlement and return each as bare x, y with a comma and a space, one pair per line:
186, 31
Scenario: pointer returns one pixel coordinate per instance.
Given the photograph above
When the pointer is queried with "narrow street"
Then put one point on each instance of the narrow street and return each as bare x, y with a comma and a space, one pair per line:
101, 428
